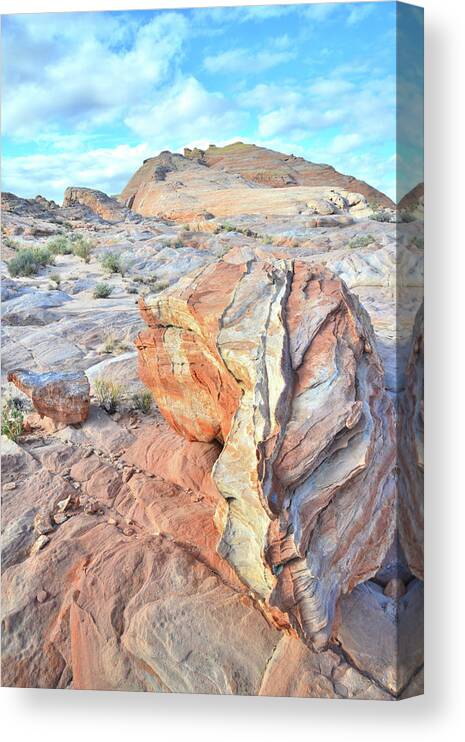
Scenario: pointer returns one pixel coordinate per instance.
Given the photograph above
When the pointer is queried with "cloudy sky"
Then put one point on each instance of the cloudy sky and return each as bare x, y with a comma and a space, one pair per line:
87, 96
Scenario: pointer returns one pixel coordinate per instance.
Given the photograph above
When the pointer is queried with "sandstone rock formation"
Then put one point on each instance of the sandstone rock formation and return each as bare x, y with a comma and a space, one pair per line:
97, 201
62, 396
243, 179
276, 361
276, 169
243, 533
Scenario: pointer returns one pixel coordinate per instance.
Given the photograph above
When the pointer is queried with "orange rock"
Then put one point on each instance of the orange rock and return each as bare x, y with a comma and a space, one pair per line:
270, 359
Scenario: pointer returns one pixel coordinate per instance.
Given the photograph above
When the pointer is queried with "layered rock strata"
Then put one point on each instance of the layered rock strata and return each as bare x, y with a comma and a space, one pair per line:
276, 362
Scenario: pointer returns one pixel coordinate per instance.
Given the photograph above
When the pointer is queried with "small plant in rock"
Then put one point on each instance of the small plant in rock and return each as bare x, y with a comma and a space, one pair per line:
112, 263
11, 243
176, 244
12, 419
108, 393
407, 217
60, 245
160, 285
114, 344
381, 216
132, 290
102, 291
82, 248
56, 278
361, 241
142, 401
418, 242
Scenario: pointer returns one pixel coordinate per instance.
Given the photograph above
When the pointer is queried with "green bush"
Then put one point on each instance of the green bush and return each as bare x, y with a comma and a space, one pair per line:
12, 419
43, 255
102, 291
418, 242
60, 245
29, 260
112, 263
82, 248
142, 401
11, 243
381, 216
108, 394
361, 241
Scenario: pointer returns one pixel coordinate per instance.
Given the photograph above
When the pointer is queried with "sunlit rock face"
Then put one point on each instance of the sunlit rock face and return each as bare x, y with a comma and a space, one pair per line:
276, 361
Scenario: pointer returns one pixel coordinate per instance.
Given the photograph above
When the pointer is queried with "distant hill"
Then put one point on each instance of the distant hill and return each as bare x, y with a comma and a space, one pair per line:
235, 166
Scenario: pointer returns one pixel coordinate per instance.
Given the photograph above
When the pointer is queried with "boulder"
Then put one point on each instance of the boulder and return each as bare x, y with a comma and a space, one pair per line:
62, 396
276, 362
321, 206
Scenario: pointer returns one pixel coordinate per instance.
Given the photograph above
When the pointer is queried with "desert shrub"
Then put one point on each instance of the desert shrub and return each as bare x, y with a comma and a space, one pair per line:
361, 241
43, 255
29, 260
176, 244
132, 290
142, 401
108, 393
12, 419
381, 216
407, 217
111, 263
82, 248
102, 291
60, 245
418, 242
115, 344
11, 243
56, 278
23, 264
161, 285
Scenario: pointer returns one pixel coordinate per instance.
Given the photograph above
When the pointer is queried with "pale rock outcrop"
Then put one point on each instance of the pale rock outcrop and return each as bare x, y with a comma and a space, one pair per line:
64, 396
321, 206
276, 361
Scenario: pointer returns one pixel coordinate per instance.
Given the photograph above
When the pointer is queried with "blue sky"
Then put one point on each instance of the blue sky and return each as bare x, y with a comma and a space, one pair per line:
88, 96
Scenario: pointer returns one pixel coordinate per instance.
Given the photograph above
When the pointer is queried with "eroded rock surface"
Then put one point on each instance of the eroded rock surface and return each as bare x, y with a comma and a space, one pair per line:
276, 361
242, 540
62, 396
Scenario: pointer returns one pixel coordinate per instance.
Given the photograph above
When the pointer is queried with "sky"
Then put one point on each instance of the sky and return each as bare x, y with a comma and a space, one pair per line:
86, 97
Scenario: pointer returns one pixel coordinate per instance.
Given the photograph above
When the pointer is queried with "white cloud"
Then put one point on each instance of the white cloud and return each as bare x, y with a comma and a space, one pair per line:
106, 169
296, 121
344, 143
246, 60
327, 87
81, 77
184, 112
359, 12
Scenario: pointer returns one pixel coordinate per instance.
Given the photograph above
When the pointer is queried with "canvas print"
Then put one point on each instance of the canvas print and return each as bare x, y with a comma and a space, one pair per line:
212, 350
